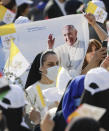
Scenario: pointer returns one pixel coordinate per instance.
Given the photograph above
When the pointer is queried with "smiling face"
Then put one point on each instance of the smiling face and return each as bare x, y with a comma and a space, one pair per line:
70, 34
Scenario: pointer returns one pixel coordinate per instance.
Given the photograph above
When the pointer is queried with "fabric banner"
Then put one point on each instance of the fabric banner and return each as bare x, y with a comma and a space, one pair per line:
16, 63
31, 38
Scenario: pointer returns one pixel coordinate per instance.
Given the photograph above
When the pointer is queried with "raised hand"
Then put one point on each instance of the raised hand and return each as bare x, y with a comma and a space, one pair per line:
51, 41
105, 63
91, 18
99, 55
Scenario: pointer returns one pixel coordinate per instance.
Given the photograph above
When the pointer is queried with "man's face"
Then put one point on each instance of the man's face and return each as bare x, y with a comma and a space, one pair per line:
70, 35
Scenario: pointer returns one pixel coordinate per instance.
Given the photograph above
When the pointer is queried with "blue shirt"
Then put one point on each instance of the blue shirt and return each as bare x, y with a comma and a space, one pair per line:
72, 96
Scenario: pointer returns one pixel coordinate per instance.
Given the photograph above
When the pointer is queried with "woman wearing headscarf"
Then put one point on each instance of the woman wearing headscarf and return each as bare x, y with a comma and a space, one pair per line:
38, 70
42, 93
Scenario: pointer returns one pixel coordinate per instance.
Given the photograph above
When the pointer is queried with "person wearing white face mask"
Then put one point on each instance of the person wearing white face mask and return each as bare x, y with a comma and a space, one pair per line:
52, 73
42, 76
42, 63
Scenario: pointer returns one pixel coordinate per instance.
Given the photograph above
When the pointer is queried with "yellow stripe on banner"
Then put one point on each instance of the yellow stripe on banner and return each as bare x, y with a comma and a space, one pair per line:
91, 8
40, 95
2, 12
58, 75
7, 29
13, 51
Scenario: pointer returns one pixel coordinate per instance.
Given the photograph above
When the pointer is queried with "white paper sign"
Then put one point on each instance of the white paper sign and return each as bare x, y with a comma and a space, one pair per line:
100, 15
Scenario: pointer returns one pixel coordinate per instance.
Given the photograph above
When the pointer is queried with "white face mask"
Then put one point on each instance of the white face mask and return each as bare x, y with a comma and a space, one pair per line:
52, 73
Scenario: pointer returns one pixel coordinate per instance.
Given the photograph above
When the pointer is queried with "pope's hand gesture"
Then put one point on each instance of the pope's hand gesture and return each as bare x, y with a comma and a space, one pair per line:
51, 41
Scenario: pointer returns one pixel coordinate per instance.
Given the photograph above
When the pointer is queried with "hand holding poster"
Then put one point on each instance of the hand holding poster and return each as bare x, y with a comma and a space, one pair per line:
99, 13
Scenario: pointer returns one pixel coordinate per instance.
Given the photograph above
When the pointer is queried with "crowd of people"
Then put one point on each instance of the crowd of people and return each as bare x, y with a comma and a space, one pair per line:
82, 74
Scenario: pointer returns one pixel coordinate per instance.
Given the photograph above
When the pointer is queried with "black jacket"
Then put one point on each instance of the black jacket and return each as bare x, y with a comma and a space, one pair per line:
52, 10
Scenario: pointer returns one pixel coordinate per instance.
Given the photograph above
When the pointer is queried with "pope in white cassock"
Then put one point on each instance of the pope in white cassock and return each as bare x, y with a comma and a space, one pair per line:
71, 54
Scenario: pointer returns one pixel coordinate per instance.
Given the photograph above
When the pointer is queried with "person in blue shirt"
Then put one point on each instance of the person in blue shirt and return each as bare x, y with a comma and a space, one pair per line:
72, 96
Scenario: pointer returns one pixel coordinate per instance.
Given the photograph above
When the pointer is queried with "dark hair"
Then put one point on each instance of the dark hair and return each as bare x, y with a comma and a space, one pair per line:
13, 117
84, 124
11, 4
72, 6
35, 73
45, 55
92, 42
21, 9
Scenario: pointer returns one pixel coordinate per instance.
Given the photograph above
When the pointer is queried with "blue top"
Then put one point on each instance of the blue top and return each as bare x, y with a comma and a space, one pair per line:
41, 5
72, 96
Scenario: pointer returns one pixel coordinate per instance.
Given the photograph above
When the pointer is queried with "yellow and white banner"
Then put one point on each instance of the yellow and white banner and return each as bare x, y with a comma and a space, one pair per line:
99, 13
7, 32
6, 40
6, 15
16, 63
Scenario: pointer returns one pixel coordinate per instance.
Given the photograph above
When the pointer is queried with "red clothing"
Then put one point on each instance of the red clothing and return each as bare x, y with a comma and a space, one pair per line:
1, 74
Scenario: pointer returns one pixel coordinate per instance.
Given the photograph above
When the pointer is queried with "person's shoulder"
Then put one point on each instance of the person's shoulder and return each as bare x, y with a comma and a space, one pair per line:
77, 80
80, 77
31, 88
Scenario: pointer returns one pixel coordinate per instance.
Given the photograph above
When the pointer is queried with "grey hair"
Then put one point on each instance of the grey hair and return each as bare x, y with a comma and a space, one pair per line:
70, 26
